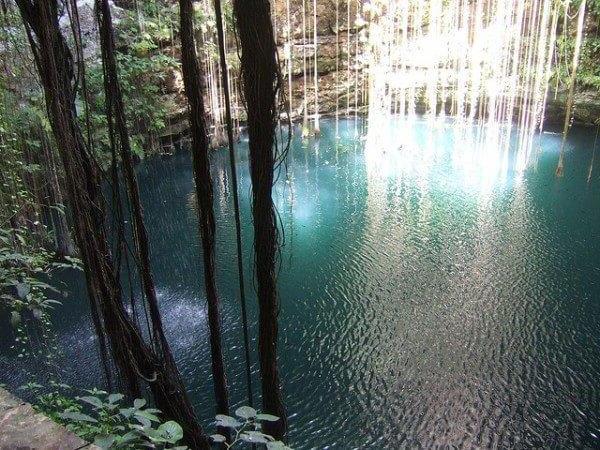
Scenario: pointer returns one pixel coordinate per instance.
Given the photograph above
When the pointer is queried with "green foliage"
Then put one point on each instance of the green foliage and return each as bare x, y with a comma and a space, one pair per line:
589, 70
245, 429
26, 296
143, 66
103, 419
17, 122
26, 265
588, 73
140, 78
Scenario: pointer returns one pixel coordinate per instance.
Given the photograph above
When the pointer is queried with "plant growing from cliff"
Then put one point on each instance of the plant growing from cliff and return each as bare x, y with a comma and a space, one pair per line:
140, 78
25, 294
20, 262
145, 60
588, 72
26, 262
31, 192
30, 208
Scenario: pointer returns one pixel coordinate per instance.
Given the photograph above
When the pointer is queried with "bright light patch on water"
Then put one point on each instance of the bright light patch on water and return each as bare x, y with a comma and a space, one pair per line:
414, 148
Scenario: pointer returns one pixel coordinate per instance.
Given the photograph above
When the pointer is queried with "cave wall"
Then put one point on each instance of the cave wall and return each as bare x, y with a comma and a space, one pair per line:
336, 83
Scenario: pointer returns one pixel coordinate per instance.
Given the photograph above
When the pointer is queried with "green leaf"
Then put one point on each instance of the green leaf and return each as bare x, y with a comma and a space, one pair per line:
105, 442
139, 403
147, 415
113, 398
267, 417
245, 412
77, 417
127, 438
31, 386
127, 412
145, 422
154, 435
171, 431
277, 445
94, 401
217, 438
227, 421
47, 304
255, 437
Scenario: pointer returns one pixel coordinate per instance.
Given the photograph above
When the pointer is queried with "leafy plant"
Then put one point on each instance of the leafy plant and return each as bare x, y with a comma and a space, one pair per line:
26, 268
102, 418
145, 58
245, 429
588, 73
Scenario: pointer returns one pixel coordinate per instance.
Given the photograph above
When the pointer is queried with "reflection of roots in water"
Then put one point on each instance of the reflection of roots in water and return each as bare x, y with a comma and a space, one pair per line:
479, 155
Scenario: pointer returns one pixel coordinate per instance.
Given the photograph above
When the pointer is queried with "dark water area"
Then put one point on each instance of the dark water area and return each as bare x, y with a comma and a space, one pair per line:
424, 302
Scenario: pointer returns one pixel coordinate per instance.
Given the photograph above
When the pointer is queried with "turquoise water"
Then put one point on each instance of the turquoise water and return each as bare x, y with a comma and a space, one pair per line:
426, 299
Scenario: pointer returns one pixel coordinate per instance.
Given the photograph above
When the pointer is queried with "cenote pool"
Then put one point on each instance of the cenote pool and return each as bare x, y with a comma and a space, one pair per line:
425, 301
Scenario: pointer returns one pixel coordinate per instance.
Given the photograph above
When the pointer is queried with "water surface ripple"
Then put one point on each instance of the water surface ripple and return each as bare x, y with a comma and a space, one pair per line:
420, 306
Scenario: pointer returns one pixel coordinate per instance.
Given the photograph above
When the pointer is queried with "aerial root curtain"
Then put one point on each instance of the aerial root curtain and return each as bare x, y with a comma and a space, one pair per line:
137, 362
119, 137
260, 78
234, 186
194, 89
571, 93
483, 62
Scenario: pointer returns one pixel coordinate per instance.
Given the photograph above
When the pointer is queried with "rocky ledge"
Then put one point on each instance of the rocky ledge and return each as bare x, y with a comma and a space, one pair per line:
22, 428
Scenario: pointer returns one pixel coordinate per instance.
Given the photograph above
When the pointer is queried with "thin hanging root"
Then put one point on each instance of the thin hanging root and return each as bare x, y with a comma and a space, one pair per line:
337, 68
589, 178
290, 60
317, 129
236, 203
305, 131
571, 93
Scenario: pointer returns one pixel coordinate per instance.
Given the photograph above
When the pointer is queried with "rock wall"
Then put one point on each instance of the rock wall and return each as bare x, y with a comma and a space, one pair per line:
334, 83
586, 109
337, 85
21, 427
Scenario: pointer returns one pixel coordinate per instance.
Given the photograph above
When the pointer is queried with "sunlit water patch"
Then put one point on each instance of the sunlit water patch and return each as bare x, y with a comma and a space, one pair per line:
431, 295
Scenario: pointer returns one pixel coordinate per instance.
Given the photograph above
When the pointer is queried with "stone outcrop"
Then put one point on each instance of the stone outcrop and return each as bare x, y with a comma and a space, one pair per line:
21, 427
586, 110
